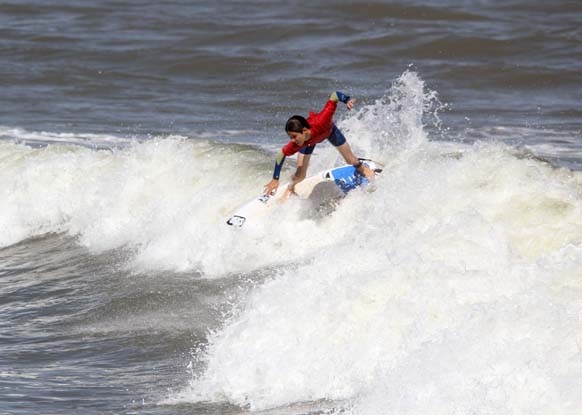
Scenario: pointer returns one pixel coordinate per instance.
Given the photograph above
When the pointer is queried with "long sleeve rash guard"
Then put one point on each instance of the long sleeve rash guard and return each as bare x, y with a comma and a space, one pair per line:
321, 125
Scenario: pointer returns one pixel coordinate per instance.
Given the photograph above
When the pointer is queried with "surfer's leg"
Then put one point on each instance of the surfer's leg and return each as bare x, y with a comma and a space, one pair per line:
347, 153
339, 141
350, 158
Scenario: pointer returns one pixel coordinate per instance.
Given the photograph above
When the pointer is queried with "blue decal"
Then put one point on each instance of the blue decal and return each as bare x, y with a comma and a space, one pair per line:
347, 178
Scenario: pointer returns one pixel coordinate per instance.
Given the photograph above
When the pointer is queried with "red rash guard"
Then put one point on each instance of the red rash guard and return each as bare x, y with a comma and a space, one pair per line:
321, 126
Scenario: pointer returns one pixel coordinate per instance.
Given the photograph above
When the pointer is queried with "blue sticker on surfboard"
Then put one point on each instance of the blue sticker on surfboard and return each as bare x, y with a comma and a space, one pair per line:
346, 178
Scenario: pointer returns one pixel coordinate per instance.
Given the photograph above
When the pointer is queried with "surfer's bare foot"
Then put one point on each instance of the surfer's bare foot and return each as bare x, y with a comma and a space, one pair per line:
367, 172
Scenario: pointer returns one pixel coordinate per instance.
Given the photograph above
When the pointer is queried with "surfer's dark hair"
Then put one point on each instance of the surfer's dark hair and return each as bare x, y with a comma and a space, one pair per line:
296, 124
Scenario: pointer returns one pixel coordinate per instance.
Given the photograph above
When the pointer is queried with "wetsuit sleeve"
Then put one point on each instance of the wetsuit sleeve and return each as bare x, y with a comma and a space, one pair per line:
278, 165
338, 96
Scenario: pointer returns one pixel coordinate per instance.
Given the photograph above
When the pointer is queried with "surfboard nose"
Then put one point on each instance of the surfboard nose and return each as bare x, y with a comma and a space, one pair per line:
236, 221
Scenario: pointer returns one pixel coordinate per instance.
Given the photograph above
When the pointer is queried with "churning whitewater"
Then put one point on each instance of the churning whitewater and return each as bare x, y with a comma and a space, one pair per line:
453, 286
130, 131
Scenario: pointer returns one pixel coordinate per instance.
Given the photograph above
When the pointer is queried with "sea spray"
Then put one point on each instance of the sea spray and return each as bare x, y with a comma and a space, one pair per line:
449, 289
435, 301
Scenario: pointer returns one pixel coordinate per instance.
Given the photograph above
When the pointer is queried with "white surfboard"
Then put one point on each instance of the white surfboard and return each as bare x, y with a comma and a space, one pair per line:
345, 178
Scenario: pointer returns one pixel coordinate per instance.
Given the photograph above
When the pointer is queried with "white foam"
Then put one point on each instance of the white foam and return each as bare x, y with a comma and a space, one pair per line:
147, 196
45, 137
453, 288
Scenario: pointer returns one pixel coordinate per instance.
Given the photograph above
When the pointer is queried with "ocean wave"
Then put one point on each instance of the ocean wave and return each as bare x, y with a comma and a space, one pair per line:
443, 289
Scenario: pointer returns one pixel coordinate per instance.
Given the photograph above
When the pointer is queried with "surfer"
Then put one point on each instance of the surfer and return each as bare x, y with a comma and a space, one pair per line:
306, 133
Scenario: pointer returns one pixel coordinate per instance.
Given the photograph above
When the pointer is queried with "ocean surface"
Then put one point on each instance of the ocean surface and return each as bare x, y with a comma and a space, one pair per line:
130, 130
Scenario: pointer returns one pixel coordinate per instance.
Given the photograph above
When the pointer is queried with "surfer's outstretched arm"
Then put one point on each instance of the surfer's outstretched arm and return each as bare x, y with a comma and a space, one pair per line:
272, 186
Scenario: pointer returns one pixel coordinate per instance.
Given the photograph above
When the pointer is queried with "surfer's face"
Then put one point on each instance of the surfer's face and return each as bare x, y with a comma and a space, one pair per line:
299, 138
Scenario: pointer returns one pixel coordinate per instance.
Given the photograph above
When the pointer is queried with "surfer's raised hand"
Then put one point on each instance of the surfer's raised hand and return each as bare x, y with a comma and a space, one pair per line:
350, 104
339, 96
271, 187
